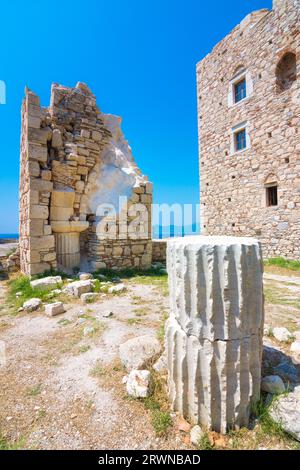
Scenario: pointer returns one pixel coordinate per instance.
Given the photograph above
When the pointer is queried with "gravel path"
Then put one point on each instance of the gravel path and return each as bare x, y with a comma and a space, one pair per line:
63, 390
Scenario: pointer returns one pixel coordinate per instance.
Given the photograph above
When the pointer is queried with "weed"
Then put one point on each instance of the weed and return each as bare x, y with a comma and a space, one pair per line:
7, 445
161, 421
98, 370
83, 349
283, 263
205, 443
34, 391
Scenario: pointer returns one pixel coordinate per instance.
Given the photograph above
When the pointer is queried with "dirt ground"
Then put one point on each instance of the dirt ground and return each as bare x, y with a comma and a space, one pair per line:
62, 389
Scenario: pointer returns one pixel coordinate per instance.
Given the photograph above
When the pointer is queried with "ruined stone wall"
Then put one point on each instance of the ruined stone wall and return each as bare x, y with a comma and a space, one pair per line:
234, 184
37, 244
74, 159
159, 250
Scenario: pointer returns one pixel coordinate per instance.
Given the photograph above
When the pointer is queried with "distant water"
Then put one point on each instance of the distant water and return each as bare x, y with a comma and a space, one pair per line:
160, 232
9, 235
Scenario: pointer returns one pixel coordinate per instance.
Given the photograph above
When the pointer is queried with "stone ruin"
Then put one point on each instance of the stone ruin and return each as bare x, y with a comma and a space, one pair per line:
214, 333
75, 166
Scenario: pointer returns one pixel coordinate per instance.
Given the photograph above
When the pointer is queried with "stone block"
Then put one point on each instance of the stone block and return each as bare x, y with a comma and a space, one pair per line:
39, 135
61, 213
63, 198
137, 352
34, 121
38, 212
57, 141
42, 243
37, 152
77, 288
37, 227
57, 308
46, 283
38, 184
34, 168
96, 136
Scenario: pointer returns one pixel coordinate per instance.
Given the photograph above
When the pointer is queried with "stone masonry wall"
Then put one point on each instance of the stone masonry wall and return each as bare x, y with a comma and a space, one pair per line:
234, 184
73, 159
159, 251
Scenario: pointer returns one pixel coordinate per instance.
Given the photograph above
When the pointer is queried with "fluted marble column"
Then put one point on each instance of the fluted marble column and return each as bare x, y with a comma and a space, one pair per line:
214, 333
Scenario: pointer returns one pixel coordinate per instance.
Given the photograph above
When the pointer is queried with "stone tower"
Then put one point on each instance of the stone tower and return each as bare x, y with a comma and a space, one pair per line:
249, 131
75, 166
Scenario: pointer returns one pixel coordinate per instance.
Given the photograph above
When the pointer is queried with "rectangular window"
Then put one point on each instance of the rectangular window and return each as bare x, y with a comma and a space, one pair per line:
272, 196
240, 90
240, 140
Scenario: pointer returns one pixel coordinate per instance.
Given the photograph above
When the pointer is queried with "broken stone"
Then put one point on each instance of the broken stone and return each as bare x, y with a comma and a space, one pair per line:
138, 383
85, 276
137, 352
195, 435
54, 309
295, 347
57, 141
286, 411
88, 330
116, 289
272, 384
160, 365
46, 283
89, 297
32, 304
107, 314
77, 288
282, 334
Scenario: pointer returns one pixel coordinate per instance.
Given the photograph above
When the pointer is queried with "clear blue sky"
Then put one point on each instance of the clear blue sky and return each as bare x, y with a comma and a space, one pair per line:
137, 56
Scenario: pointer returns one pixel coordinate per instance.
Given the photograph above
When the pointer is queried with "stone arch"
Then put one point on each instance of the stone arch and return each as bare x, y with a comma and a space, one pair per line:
271, 179
286, 72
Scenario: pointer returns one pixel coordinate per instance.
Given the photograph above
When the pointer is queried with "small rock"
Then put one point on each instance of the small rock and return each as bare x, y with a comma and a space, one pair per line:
286, 411
54, 309
80, 321
272, 384
32, 304
196, 434
295, 347
46, 283
136, 352
89, 297
9, 418
124, 380
160, 365
108, 314
138, 383
88, 330
116, 280
21, 309
18, 294
116, 289
102, 277
77, 288
73, 416
282, 334
85, 276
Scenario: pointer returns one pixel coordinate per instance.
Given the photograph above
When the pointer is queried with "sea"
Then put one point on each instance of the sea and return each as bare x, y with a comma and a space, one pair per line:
14, 236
